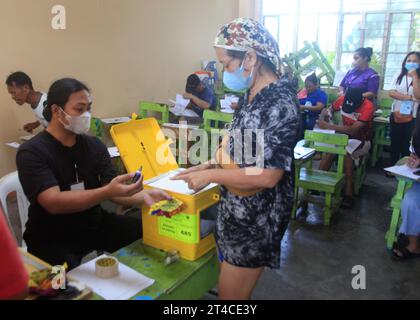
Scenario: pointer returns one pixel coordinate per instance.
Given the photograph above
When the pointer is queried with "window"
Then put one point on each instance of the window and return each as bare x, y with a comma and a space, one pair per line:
390, 27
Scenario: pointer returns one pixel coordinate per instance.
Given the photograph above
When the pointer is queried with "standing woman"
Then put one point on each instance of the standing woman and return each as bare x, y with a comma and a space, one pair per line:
256, 196
361, 76
406, 94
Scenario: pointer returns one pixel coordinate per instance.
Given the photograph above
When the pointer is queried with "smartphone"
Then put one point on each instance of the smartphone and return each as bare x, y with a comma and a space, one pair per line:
137, 175
417, 173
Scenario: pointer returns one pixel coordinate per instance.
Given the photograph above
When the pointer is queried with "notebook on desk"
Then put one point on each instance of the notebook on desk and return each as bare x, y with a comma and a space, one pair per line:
405, 171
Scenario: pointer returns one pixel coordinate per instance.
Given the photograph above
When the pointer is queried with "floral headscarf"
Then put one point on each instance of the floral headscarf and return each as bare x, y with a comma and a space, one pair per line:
243, 34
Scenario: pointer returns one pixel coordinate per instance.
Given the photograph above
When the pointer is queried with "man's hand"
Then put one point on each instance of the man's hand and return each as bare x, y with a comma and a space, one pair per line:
121, 186
323, 124
413, 161
154, 195
30, 127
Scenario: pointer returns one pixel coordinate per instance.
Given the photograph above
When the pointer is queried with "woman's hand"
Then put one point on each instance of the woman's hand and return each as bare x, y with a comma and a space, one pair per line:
413, 161
323, 124
196, 180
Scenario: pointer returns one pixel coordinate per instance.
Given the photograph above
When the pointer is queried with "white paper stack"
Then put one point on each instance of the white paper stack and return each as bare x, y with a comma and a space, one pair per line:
124, 286
301, 152
226, 104
180, 107
405, 171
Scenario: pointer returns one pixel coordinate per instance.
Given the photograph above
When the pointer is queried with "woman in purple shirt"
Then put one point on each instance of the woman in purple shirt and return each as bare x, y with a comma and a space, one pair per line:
361, 76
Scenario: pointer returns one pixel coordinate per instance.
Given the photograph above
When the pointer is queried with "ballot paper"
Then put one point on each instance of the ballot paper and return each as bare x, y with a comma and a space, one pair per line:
124, 286
180, 107
405, 171
115, 120
327, 131
113, 152
301, 152
352, 145
14, 145
164, 182
27, 138
226, 104
381, 119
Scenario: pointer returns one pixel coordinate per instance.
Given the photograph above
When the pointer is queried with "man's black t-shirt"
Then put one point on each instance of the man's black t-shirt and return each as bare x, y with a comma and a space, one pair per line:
43, 162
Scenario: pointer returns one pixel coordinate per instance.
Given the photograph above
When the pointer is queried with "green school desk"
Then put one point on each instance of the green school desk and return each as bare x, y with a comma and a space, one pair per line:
182, 280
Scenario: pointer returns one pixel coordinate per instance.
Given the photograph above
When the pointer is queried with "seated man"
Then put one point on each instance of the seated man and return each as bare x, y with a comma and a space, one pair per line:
357, 116
19, 85
201, 97
66, 175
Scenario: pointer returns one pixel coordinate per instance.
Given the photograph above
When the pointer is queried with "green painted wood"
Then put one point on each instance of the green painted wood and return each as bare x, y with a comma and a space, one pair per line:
146, 107
209, 116
180, 280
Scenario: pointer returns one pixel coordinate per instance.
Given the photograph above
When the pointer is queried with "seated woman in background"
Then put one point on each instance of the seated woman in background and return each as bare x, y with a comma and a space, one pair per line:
410, 208
361, 76
312, 100
406, 94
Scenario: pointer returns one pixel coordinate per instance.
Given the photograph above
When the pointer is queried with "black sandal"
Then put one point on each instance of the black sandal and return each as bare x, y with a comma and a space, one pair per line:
406, 254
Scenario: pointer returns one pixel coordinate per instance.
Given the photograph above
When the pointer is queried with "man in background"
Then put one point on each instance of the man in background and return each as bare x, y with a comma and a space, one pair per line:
20, 87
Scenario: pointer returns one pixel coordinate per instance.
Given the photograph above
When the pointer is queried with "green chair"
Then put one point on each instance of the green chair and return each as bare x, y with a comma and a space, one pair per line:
360, 174
330, 182
163, 109
213, 119
381, 131
403, 186
96, 127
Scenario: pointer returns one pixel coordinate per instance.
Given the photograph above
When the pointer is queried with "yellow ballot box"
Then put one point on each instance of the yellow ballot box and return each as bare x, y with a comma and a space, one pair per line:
141, 143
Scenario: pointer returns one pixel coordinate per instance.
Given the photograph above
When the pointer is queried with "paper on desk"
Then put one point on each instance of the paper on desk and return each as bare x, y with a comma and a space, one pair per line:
226, 104
27, 138
178, 186
14, 145
127, 284
113, 152
115, 120
381, 119
327, 131
352, 145
180, 107
301, 152
404, 171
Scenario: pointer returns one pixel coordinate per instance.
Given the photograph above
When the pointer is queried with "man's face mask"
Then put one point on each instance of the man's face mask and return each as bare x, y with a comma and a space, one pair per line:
77, 124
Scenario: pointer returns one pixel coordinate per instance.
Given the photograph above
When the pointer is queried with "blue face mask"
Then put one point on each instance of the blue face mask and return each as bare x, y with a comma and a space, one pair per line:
236, 81
411, 66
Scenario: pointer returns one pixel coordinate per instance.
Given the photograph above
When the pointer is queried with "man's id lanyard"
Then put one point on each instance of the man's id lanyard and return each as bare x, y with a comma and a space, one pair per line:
79, 185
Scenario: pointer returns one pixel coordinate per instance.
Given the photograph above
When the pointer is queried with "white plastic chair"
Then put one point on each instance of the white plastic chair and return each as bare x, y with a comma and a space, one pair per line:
8, 184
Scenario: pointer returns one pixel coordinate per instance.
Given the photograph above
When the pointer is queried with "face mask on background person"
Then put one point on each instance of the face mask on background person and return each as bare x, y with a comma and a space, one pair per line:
77, 124
411, 66
236, 81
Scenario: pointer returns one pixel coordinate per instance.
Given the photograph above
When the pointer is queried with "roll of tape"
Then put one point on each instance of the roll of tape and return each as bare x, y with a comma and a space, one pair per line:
106, 267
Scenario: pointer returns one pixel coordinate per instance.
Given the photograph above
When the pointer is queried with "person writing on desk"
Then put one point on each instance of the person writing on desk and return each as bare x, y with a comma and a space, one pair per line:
410, 208
201, 97
312, 103
20, 87
361, 76
357, 117
256, 196
66, 174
